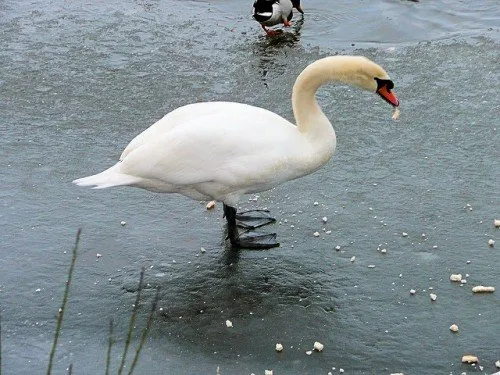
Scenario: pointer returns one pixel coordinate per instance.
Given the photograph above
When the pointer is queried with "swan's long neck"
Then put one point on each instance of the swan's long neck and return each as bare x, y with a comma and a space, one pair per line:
309, 117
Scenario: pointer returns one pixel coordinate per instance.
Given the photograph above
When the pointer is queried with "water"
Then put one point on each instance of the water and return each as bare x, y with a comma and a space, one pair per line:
79, 80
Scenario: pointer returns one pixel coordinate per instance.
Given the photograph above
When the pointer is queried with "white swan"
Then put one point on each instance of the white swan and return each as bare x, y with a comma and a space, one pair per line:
274, 12
223, 150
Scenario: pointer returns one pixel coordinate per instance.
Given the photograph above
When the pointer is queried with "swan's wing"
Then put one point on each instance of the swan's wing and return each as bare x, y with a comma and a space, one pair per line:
241, 148
175, 118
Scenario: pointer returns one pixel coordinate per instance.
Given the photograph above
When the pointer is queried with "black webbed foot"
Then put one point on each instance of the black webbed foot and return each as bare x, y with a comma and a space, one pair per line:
249, 239
255, 240
254, 219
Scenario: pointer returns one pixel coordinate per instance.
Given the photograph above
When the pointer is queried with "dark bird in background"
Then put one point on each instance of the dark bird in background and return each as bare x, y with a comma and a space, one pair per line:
274, 12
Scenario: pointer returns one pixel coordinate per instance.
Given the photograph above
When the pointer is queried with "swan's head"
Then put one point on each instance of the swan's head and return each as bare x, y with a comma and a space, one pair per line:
352, 70
372, 77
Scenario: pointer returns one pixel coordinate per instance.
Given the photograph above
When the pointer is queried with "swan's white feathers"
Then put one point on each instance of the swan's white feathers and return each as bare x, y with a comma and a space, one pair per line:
225, 145
222, 150
108, 178
172, 119
211, 150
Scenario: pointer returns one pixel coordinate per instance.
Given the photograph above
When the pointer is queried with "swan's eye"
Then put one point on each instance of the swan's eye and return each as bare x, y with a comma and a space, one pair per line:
387, 83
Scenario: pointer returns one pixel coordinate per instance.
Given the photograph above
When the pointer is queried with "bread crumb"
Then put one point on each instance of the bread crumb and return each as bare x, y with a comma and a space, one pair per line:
469, 359
396, 113
318, 346
483, 289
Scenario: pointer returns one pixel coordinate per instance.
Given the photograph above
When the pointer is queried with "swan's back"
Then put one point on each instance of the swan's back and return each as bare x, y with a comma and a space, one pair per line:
197, 112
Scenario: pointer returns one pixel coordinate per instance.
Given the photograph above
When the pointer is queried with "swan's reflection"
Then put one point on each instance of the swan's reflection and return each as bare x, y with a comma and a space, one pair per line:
231, 256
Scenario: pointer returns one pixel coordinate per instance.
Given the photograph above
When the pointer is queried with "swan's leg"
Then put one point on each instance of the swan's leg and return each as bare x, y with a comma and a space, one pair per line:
249, 239
257, 220
286, 23
232, 228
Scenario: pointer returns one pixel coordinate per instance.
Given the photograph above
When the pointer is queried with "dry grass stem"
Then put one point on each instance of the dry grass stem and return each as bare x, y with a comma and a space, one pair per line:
132, 322
0, 344
60, 313
145, 332
110, 344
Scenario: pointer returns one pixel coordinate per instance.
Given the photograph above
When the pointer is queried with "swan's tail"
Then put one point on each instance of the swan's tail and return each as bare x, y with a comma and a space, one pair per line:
109, 178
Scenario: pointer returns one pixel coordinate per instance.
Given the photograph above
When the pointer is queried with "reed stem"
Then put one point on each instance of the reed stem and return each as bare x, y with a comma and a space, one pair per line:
110, 344
146, 330
0, 344
63, 305
132, 322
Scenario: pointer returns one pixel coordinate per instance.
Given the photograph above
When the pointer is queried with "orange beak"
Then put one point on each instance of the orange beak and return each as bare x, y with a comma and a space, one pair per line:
388, 96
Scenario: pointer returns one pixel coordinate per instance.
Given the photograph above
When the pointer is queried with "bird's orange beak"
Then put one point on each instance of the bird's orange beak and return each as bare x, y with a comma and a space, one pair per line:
389, 96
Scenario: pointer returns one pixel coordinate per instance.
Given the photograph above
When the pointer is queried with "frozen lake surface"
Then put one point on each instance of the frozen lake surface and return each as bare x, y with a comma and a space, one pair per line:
79, 80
